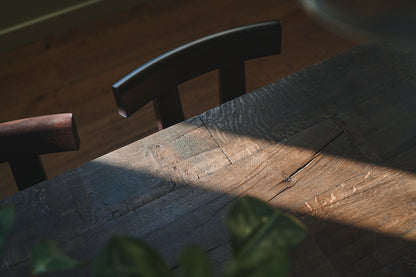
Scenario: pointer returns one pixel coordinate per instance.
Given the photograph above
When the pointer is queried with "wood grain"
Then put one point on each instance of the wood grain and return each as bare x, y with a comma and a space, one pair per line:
352, 187
38, 135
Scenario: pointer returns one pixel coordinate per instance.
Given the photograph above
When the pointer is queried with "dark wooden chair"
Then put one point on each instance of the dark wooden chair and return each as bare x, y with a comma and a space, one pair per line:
158, 79
22, 141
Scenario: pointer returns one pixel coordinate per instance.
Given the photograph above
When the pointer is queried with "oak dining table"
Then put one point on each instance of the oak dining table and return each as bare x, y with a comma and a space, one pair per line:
333, 144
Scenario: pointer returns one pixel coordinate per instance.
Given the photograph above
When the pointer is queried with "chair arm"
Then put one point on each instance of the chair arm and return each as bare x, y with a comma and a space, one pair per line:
38, 135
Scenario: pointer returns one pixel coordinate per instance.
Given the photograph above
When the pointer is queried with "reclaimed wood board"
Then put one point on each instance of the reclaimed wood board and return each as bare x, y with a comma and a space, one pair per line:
348, 171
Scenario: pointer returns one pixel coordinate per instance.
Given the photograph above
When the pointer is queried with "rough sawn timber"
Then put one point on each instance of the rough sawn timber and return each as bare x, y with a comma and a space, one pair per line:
327, 144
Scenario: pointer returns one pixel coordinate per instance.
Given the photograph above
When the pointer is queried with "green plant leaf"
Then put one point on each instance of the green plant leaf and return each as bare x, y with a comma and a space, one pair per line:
6, 224
47, 257
252, 224
193, 262
260, 263
124, 256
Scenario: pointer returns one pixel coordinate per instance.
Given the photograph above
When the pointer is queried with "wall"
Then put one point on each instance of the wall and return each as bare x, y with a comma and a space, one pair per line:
24, 21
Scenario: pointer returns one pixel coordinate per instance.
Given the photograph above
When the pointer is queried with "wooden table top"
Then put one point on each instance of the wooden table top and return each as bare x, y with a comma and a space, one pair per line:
335, 144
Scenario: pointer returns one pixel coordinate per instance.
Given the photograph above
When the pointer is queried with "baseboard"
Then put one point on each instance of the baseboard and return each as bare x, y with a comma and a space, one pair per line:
48, 24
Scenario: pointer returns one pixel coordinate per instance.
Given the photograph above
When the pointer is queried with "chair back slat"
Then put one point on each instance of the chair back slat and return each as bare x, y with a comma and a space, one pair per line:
232, 81
222, 50
168, 109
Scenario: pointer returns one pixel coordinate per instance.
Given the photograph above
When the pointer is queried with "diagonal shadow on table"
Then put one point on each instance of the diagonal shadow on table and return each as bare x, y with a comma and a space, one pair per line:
170, 215
325, 143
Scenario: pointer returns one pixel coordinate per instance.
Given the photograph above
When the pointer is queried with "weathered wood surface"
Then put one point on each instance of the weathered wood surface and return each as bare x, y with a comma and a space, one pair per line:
335, 144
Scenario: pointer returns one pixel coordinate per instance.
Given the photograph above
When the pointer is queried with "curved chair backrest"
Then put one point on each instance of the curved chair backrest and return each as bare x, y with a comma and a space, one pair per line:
158, 79
22, 141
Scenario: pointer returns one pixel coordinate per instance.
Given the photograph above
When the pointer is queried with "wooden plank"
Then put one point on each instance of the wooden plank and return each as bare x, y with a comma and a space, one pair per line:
338, 168
156, 212
251, 123
339, 81
137, 174
355, 211
310, 95
354, 220
381, 200
389, 128
214, 192
179, 182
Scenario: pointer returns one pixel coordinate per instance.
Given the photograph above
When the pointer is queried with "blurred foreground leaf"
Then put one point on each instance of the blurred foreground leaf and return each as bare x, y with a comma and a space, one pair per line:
193, 262
260, 263
254, 224
261, 238
47, 257
124, 256
6, 223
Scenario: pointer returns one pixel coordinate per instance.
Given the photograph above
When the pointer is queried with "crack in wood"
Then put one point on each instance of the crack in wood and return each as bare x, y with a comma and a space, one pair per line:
189, 123
290, 178
328, 143
236, 197
218, 246
214, 214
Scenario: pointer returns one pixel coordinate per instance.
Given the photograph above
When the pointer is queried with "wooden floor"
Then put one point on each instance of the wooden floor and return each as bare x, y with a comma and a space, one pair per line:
73, 71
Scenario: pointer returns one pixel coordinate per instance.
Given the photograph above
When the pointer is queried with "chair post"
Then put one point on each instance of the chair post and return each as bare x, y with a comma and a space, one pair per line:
168, 108
27, 171
232, 81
